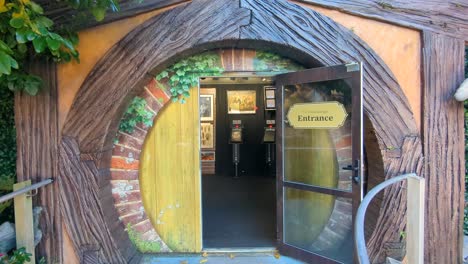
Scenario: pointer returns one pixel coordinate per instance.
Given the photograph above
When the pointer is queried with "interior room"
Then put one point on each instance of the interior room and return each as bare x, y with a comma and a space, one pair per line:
238, 162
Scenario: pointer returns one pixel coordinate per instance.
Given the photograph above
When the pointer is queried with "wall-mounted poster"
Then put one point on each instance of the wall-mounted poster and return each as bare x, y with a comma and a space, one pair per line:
241, 102
207, 136
206, 107
269, 97
270, 104
269, 92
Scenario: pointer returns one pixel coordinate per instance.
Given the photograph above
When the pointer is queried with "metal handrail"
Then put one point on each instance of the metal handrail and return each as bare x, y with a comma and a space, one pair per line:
32, 187
359, 224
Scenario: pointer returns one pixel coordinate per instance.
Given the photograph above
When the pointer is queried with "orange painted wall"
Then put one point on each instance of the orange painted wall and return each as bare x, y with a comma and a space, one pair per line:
399, 47
94, 43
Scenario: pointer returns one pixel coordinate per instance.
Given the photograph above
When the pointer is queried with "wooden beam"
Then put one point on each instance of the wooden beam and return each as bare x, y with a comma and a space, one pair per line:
444, 17
415, 220
63, 15
24, 220
443, 62
36, 121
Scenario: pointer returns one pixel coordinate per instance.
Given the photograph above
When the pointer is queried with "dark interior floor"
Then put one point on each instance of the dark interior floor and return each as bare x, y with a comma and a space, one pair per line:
239, 212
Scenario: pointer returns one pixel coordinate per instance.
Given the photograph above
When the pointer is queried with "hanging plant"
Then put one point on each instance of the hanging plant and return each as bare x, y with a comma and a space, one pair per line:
25, 31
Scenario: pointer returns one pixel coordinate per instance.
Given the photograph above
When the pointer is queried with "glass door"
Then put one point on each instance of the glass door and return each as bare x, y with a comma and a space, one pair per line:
319, 162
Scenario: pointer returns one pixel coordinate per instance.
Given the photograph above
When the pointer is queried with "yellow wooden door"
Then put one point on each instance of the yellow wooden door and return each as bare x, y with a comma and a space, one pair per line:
170, 175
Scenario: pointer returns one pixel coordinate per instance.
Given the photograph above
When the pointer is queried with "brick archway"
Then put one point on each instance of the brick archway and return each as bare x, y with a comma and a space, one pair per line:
298, 33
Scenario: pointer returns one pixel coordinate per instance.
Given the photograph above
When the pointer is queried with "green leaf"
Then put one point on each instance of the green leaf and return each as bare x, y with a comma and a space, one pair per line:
31, 35
21, 35
98, 13
44, 21
5, 63
39, 44
13, 63
53, 43
17, 22
68, 44
36, 8
22, 48
4, 47
31, 88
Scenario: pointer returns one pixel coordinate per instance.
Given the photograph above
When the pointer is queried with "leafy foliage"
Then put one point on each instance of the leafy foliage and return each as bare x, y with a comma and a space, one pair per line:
184, 74
7, 151
97, 8
19, 256
142, 245
136, 113
266, 61
24, 30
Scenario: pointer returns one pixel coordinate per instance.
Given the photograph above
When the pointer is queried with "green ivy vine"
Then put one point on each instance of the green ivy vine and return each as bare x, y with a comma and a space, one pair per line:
184, 74
136, 113
7, 151
267, 61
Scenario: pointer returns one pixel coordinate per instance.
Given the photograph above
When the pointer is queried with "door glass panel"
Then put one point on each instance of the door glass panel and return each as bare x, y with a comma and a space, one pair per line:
317, 156
319, 223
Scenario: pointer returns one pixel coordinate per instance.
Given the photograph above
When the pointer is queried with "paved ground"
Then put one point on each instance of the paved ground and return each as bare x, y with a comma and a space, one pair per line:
244, 258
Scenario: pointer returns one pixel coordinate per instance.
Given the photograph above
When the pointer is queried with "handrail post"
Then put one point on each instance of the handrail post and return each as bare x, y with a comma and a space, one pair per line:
415, 220
24, 220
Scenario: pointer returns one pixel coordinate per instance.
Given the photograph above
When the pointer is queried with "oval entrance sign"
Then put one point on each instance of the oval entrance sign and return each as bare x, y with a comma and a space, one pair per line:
317, 115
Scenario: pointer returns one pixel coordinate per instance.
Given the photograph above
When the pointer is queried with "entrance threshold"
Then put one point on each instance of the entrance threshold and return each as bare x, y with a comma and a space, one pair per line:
241, 250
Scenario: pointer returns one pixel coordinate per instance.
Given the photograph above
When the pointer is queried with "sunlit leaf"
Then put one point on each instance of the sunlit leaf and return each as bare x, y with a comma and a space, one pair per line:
17, 22
36, 8
98, 13
5, 63
39, 44
53, 43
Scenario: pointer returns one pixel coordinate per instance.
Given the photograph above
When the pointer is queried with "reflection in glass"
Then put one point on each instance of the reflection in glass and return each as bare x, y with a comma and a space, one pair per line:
317, 156
319, 223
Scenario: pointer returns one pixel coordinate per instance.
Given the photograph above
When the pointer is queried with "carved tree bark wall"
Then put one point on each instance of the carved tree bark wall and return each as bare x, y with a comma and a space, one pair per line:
37, 135
443, 148
292, 31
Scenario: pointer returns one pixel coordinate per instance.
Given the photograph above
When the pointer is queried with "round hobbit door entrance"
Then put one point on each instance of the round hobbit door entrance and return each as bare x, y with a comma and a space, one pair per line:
183, 160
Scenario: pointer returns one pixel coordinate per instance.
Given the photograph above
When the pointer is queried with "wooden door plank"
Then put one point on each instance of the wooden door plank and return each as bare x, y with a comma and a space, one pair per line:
170, 175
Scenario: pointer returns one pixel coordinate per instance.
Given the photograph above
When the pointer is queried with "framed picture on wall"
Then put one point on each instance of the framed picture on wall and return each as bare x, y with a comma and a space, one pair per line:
206, 107
269, 92
270, 98
270, 104
242, 101
207, 136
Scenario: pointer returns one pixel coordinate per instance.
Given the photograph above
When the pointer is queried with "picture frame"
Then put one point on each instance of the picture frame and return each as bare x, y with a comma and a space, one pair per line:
269, 92
241, 102
270, 98
208, 156
207, 136
206, 107
270, 104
